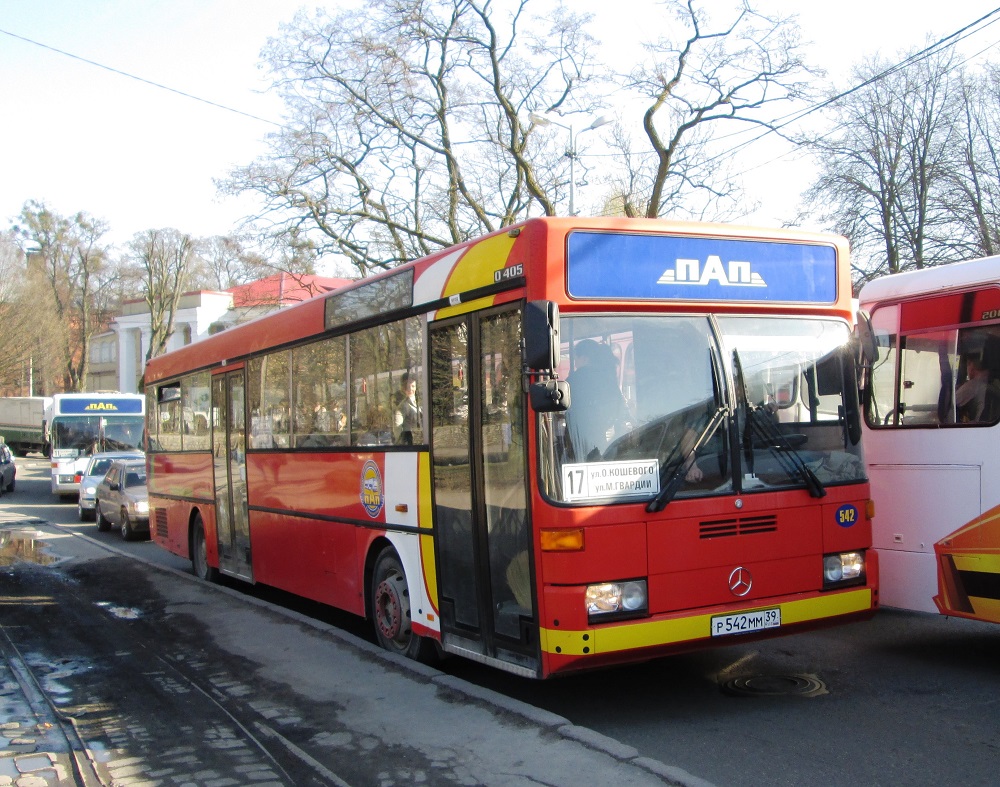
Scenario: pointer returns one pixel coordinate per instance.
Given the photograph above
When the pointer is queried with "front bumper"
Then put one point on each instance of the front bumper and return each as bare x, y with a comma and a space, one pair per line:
667, 634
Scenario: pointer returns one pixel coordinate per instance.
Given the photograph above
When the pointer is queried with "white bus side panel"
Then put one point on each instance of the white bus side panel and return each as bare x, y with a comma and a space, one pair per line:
916, 506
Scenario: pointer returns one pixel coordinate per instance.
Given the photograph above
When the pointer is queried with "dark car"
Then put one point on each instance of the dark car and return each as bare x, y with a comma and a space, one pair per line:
96, 469
121, 498
8, 469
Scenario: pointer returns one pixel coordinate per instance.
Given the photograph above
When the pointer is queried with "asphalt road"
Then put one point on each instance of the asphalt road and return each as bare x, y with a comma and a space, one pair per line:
903, 699
116, 673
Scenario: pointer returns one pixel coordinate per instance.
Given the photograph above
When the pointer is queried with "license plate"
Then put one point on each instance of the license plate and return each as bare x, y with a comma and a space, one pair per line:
746, 622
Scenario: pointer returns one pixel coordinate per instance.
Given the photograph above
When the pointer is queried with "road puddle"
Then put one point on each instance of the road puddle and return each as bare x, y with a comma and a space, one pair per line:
25, 545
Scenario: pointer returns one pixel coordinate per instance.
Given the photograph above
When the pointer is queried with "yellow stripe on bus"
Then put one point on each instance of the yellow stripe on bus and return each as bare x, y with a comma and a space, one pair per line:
987, 609
985, 562
425, 521
677, 630
476, 269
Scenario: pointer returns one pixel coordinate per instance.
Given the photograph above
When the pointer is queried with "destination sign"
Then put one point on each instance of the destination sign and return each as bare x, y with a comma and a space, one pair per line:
592, 480
657, 267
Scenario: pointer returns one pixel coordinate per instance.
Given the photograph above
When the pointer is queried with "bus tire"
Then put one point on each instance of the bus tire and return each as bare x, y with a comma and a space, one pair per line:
390, 605
103, 523
199, 552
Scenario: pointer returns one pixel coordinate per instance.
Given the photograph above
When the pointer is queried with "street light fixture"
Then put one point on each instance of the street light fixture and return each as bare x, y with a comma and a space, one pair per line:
571, 154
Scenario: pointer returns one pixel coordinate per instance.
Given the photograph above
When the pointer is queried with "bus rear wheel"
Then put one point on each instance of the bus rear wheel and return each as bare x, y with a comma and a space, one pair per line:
390, 604
199, 552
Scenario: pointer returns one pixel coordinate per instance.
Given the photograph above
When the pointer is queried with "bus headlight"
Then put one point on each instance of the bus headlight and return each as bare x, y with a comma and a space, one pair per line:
610, 600
845, 568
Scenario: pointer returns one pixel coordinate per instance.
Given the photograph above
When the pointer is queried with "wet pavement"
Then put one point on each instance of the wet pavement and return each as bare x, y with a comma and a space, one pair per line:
35, 749
269, 709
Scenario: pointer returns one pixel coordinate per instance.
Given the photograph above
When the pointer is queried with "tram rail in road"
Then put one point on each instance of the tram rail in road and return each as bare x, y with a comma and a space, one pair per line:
153, 677
903, 698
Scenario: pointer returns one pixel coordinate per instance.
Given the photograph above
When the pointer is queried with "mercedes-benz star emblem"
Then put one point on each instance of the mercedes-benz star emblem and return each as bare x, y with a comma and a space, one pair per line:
740, 581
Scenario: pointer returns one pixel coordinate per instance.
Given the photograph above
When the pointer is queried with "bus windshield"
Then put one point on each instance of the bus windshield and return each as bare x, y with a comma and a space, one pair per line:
683, 406
90, 434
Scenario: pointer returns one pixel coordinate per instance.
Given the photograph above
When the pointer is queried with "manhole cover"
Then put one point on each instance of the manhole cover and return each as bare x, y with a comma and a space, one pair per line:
775, 686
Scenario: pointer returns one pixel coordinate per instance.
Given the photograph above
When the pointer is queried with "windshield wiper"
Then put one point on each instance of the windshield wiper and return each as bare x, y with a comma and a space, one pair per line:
674, 479
758, 421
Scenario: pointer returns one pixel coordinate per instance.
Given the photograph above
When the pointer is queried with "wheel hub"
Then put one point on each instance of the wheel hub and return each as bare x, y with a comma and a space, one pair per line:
392, 608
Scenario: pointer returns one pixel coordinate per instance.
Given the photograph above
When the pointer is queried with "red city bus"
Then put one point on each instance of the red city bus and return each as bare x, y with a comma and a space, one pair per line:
569, 444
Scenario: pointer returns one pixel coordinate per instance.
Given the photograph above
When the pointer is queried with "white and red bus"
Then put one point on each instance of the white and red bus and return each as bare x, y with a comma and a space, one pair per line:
82, 424
633, 437
933, 437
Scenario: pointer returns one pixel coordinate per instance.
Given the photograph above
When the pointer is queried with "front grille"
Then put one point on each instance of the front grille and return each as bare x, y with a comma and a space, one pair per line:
160, 522
738, 526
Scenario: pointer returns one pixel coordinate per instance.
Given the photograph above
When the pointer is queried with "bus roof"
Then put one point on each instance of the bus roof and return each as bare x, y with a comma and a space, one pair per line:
477, 268
940, 278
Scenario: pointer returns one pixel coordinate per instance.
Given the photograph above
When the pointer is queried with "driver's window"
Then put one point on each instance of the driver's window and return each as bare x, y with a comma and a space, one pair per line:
881, 404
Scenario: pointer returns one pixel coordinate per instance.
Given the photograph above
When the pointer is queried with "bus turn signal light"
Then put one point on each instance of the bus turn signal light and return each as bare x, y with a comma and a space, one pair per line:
562, 540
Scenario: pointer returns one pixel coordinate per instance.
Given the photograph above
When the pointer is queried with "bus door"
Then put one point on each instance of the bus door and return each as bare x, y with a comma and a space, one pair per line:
229, 449
483, 531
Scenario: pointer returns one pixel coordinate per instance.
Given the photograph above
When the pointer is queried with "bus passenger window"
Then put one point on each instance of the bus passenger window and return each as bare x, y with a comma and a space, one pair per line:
268, 394
977, 397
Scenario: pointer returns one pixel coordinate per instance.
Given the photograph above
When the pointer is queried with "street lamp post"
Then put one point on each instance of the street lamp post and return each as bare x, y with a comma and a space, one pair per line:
571, 153
28, 251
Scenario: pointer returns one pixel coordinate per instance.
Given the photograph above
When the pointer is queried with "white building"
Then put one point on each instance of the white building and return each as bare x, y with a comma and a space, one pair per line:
118, 357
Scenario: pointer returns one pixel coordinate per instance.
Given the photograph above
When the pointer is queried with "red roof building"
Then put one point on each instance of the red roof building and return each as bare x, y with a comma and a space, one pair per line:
118, 357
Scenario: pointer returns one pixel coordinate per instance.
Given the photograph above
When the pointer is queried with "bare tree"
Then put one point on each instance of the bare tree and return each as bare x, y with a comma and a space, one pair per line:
886, 167
408, 124
700, 79
70, 258
226, 263
165, 258
974, 193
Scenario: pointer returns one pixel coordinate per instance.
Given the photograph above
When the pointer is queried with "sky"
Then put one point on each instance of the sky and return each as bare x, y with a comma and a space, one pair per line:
83, 138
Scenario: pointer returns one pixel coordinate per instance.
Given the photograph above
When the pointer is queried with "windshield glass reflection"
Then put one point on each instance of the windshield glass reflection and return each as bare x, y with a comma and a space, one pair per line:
656, 402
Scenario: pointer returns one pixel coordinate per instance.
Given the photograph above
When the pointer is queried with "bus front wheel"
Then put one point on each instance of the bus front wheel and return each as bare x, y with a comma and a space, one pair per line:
199, 552
390, 604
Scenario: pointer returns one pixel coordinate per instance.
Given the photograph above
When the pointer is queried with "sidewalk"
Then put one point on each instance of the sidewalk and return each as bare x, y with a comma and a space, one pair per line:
485, 737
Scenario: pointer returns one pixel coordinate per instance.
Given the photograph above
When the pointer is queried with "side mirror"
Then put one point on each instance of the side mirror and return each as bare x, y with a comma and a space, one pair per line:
540, 329
864, 334
549, 396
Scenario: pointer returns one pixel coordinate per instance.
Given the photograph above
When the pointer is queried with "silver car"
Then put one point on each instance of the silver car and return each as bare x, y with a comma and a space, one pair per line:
121, 499
97, 467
